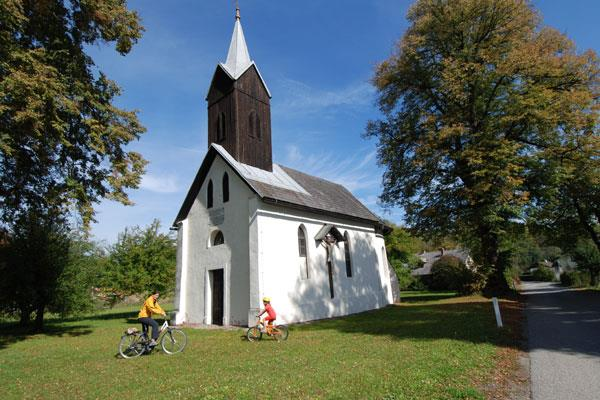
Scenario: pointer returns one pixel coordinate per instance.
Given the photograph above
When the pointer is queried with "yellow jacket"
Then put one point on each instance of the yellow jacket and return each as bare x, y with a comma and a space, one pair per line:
150, 306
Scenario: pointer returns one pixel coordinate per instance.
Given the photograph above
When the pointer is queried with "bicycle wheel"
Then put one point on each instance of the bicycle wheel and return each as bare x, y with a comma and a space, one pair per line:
280, 332
131, 346
173, 341
254, 334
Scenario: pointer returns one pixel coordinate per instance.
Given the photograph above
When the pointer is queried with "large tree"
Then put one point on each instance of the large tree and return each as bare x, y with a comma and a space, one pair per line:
62, 140
474, 92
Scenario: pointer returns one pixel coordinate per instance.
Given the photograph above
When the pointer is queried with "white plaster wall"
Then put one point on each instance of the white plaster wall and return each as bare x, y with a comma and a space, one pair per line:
232, 256
178, 289
297, 299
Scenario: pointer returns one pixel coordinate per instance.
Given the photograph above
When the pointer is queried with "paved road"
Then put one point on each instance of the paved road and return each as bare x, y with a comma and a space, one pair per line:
564, 342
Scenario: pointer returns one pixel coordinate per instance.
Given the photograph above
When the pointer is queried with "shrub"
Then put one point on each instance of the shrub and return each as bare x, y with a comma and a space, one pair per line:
446, 273
543, 274
474, 282
449, 273
511, 274
405, 279
575, 278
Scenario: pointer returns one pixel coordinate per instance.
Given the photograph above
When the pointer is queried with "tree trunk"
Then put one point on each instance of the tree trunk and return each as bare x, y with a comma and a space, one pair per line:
496, 284
39, 317
24, 317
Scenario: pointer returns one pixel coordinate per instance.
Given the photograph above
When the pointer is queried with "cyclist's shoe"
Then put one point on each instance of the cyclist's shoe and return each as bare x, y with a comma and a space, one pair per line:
153, 343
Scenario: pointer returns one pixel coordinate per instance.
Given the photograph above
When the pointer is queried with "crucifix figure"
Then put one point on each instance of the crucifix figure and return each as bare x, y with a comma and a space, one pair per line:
329, 242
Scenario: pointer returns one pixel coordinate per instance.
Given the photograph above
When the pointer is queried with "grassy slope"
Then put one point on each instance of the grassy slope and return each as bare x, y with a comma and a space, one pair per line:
433, 349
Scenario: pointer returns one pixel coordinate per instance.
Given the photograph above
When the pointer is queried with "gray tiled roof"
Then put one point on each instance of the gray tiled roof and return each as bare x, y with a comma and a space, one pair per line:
286, 187
431, 257
322, 195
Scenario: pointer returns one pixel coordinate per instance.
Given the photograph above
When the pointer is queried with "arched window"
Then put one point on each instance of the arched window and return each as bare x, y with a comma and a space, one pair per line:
251, 124
218, 238
225, 187
347, 255
257, 128
209, 194
221, 127
254, 125
302, 254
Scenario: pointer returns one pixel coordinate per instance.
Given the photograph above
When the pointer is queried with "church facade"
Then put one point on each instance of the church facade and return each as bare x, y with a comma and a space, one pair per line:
249, 228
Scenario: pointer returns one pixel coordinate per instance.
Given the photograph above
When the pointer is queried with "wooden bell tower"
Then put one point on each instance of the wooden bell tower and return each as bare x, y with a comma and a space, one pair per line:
239, 109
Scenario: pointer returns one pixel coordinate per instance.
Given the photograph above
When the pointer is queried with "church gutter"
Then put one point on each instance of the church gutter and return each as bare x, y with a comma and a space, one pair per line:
270, 200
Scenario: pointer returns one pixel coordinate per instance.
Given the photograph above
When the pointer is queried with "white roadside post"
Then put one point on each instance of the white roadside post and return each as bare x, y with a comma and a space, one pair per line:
497, 312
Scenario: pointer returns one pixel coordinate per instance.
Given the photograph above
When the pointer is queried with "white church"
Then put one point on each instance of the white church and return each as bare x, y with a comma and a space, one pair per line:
249, 228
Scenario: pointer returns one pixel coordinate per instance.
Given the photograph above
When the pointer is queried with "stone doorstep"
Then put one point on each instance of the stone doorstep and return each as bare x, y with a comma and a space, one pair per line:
211, 327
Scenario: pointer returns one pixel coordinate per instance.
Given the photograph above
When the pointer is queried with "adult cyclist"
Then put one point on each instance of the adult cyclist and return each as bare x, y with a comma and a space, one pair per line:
145, 315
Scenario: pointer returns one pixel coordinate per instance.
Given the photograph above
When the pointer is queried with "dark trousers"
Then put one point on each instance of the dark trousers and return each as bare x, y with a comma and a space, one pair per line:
147, 321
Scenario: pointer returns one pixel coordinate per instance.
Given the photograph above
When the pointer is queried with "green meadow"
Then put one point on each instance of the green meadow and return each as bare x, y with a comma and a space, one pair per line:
431, 346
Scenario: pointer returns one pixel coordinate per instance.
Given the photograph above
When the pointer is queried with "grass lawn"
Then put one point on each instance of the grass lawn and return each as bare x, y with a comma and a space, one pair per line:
424, 348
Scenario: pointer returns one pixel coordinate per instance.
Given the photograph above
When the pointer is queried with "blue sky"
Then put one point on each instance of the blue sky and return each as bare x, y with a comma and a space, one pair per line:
316, 57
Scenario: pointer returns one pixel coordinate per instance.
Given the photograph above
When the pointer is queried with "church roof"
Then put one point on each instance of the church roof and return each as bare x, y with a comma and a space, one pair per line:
284, 187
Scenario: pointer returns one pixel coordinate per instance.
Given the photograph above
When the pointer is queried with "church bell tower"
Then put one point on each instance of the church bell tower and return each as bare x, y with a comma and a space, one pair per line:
239, 110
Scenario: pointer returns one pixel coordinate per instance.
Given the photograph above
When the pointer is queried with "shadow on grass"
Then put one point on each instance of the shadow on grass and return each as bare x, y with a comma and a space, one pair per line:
129, 316
11, 333
428, 297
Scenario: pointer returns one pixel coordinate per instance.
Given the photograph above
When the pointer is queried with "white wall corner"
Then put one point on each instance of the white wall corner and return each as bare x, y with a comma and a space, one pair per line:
254, 259
183, 267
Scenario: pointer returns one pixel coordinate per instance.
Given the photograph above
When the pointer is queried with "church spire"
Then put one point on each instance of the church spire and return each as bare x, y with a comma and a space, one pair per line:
238, 58
239, 106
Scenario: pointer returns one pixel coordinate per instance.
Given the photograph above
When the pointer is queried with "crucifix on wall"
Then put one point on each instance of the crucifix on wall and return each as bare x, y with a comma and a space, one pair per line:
329, 236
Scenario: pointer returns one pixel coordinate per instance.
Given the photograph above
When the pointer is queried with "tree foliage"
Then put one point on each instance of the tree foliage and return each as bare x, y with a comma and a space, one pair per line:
142, 260
474, 98
83, 271
35, 258
587, 257
401, 246
62, 141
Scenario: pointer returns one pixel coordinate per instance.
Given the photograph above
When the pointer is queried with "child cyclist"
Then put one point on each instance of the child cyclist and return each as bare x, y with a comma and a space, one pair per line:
270, 313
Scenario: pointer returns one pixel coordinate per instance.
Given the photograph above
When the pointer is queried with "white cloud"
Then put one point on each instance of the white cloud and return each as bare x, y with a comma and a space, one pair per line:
299, 98
371, 201
165, 183
355, 171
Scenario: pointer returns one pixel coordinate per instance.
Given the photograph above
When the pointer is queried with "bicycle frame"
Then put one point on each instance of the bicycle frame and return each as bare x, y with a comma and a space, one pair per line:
161, 331
172, 340
277, 331
268, 327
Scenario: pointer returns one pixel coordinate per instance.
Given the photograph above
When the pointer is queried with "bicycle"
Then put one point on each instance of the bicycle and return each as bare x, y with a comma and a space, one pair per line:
278, 332
135, 343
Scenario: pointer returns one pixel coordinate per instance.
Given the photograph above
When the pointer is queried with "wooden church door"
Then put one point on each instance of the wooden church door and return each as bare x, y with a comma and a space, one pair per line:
217, 296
